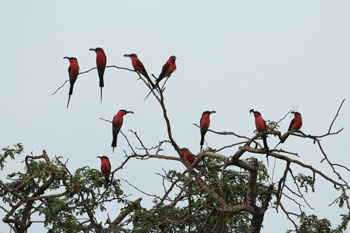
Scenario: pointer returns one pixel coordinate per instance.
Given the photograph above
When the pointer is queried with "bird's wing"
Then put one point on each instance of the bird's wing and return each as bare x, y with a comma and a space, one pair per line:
164, 70
142, 68
291, 124
109, 163
69, 70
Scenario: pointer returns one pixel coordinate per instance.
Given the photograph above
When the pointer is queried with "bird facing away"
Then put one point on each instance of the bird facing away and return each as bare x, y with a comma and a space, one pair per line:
260, 125
117, 124
73, 71
105, 167
101, 61
139, 67
204, 125
188, 155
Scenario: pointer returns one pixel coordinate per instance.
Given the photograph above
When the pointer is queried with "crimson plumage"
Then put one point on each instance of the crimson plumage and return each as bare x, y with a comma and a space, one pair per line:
204, 125
188, 155
296, 123
101, 62
139, 67
105, 167
168, 68
73, 72
260, 125
117, 124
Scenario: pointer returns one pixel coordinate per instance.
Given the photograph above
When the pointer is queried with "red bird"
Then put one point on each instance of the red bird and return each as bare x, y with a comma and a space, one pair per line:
101, 61
73, 71
117, 124
168, 68
105, 167
295, 124
204, 125
139, 67
260, 125
188, 155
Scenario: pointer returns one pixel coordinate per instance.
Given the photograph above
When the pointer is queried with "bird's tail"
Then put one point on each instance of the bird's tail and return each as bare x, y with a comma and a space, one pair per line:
101, 71
71, 89
114, 142
107, 178
68, 100
203, 132
266, 147
101, 94
147, 95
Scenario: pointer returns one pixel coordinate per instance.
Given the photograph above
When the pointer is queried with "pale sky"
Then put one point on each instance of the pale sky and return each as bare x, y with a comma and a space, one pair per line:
231, 56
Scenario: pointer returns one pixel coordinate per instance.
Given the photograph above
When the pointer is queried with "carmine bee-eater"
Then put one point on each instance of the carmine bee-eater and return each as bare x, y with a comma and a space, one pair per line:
188, 155
168, 68
105, 167
139, 67
260, 125
117, 124
204, 125
101, 61
294, 125
73, 71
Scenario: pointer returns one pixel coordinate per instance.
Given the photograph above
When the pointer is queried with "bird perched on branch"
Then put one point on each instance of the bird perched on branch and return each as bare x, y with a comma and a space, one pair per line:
260, 125
204, 125
101, 61
105, 167
188, 155
294, 125
117, 124
168, 68
139, 67
73, 71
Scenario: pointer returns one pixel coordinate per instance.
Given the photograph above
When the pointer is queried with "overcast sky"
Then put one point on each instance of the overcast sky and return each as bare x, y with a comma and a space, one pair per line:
231, 56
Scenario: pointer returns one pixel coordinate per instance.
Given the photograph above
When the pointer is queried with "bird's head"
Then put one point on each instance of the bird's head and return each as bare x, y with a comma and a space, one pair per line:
296, 113
254, 112
96, 49
130, 55
124, 112
70, 58
208, 112
173, 57
102, 157
185, 150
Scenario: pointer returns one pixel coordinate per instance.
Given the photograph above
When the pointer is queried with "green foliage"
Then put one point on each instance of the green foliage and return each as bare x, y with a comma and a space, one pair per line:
272, 125
305, 182
10, 152
62, 213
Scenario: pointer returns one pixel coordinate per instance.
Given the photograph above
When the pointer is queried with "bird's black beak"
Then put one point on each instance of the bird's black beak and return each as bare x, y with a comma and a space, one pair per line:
92, 49
99, 157
293, 112
251, 111
127, 55
66, 58
212, 112
130, 112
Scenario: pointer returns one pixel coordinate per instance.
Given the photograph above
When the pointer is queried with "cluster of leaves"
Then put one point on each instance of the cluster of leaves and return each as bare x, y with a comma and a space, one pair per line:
83, 193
